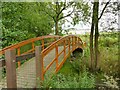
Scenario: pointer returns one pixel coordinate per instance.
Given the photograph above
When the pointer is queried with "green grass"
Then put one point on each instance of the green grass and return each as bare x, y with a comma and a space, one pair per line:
66, 68
70, 77
76, 74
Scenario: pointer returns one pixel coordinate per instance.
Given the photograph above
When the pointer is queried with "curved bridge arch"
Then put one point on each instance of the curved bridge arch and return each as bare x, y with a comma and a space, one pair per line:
31, 41
63, 46
69, 43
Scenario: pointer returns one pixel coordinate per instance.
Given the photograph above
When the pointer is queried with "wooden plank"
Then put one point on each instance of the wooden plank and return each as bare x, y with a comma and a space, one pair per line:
42, 44
33, 46
39, 64
10, 58
2, 62
24, 57
18, 53
18, 58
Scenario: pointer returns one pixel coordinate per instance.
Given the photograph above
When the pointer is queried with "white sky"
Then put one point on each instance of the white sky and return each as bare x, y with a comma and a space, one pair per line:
105, 18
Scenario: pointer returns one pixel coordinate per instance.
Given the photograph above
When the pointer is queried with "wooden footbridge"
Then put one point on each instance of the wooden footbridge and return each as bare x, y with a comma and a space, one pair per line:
25, 63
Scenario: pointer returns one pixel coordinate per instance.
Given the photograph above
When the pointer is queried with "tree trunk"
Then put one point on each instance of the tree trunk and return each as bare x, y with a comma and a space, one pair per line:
91, 40
96, 34
56, 21
56, 27
96, 47
91, 46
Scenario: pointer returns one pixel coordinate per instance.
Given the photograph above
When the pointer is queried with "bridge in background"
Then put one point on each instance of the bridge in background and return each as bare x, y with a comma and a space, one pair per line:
27, 62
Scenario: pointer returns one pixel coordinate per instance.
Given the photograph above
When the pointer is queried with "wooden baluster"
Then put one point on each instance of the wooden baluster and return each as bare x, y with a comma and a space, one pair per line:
42, 44
69, 45
10, 58
39, 64
56, 54
64, 49
75, 42
18, 53
33, 46
72, 43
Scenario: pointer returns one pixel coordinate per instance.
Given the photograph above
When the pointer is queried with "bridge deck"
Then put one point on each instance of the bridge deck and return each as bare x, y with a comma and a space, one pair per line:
26, 73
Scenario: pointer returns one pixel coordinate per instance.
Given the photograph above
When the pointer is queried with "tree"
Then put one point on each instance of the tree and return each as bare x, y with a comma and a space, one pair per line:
94, 27
77, 10
111, 22
21, 21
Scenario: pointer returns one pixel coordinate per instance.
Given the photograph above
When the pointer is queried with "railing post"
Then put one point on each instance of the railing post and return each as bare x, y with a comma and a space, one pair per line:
72, 43
64, 48
39, 64
75, 42
42, 44
10, 57
69, 45
56, 54
18, 53
33, 46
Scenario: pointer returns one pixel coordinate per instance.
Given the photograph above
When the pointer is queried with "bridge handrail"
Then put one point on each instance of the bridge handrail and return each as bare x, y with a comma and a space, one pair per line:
25, 42
75, 43
46, 50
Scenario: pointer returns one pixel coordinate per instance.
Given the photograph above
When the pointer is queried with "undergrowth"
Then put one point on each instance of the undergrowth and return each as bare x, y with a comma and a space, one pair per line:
75, 71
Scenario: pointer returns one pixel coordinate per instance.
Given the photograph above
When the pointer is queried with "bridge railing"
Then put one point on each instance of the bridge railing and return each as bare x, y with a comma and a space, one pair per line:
19, 47
15, 54
68, 45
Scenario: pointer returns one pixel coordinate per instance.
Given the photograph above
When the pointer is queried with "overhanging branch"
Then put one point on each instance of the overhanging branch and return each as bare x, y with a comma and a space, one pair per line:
104, 9
64, 8
67, 15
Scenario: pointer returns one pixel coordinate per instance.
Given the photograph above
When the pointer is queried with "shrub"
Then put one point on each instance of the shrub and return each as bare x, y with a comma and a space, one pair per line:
84, 80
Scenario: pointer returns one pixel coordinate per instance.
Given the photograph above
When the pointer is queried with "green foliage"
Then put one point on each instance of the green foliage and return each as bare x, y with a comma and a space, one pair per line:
109, 53
10, 37
77, 63
108, 49
61, 81
78, 11
67, 68
71, 75
108, 41
23, 20
108, 58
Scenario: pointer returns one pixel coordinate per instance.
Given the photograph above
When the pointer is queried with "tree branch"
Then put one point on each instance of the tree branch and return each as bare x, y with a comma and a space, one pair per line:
64, 8
52, 8
104, 9
67, 15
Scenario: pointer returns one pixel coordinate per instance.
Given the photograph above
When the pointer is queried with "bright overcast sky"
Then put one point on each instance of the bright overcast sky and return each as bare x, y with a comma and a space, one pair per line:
105, 18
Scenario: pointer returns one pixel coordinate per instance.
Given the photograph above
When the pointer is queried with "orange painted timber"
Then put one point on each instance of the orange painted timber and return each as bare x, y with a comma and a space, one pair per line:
42, 44
56, 48
64, 48
25, 42
18, 53
33, 46
76, 42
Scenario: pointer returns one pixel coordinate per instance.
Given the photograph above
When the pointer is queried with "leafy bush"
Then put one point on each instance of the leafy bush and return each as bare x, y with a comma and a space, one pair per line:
85, 80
